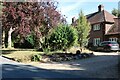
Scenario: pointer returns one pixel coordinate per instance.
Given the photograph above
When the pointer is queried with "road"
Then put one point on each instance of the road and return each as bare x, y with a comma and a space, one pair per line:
11, 69
101, 66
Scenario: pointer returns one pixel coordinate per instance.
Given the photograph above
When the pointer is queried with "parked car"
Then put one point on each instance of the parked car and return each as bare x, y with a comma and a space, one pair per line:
108, 46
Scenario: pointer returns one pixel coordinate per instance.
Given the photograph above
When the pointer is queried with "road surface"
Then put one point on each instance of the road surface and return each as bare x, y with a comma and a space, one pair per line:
102, 66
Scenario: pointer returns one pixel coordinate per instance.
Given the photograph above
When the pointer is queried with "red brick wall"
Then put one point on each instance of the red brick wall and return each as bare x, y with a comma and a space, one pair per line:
113, 36
97, 34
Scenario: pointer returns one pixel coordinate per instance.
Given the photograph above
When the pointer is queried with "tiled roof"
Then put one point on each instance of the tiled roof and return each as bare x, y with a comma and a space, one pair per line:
115, 29
102, 16
90, 15
109, 17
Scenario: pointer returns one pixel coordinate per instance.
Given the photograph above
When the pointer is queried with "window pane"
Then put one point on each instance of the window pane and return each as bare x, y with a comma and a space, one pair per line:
96, 27
96, 41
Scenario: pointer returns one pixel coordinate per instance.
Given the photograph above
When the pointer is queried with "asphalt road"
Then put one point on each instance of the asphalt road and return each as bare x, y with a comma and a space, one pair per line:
102, 66
11, 69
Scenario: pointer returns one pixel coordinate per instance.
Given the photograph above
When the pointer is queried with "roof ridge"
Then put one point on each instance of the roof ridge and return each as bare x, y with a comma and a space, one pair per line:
104, 15
91, 14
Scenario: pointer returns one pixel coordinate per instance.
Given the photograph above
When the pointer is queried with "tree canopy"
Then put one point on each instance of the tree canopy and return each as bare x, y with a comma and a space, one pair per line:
31, 17
26, 16
116, 12
63, 37
83, 28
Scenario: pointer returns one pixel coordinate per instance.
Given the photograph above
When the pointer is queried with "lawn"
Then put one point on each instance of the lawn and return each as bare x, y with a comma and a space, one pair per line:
24, 55
21, 55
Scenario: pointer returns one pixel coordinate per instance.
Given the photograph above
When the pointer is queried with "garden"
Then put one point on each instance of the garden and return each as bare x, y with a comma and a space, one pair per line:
38, 32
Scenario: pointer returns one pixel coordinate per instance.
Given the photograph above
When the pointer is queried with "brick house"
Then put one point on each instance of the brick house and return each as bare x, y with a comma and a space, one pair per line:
104, 26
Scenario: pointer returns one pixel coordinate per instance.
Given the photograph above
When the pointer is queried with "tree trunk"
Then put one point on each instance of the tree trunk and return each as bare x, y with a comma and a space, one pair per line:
10, 37
3, 39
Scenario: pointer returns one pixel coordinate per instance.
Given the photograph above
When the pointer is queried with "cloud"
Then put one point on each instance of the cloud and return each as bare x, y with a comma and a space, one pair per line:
71, 8
67, 9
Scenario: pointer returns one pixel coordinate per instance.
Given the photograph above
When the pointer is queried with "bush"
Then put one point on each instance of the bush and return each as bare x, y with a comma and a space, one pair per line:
63, 37
30, 39
36, 57
45, 45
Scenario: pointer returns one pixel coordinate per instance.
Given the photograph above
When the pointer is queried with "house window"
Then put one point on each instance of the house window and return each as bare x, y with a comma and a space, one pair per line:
96, 41
96, 27
113, 39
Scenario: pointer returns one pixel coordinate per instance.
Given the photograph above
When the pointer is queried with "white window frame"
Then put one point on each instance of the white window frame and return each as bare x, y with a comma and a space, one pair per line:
113, 39
96, 41
96, 27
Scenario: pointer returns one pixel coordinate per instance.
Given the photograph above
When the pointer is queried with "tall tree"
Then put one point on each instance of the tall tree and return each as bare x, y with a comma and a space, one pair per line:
26, 17
116, 12
83, 28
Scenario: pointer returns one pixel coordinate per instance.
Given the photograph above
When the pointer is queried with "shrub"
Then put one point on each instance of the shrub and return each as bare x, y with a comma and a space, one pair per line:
30, 39
63, 37
45, 45
36, 57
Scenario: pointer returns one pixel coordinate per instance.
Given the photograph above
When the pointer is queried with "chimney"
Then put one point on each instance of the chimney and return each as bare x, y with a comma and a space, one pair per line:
100, 8
73, 20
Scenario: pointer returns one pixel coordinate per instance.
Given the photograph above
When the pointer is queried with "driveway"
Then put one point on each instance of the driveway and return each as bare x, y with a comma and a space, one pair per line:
101, 66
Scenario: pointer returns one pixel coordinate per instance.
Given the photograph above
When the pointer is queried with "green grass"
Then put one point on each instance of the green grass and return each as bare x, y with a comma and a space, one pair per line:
22, 56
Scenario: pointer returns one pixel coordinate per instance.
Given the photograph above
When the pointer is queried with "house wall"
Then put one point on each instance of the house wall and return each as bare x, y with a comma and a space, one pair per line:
104, 27
113, 36
107, 27
98, 33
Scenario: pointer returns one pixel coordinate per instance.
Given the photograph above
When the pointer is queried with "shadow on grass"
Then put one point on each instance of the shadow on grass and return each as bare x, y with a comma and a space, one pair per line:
8, 51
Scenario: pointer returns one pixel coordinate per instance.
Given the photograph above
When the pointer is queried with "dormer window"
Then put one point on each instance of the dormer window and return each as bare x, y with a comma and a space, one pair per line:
96, 27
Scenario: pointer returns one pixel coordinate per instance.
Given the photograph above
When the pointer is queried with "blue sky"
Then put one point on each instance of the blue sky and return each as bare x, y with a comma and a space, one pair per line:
71, 8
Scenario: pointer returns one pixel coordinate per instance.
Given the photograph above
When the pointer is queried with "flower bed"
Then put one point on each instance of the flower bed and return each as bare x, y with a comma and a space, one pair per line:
30, 56
58, 57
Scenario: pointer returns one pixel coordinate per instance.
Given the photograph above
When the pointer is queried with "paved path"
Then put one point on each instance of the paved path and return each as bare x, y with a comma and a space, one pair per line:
102, 66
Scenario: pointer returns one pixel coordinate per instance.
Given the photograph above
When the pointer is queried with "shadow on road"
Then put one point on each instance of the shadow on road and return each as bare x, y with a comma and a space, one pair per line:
28, 72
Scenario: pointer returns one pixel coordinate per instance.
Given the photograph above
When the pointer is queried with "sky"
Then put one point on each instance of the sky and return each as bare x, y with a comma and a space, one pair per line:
71, 8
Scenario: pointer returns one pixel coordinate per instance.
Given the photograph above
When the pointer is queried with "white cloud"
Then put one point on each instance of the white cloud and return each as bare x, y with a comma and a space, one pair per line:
67, 9
70, 10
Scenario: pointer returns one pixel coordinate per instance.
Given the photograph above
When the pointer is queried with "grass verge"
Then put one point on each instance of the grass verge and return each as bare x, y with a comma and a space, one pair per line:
24, 55
19, 55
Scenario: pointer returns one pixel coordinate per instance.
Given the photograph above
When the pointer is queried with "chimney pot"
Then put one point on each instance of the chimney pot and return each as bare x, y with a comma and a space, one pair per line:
100, 8
73, 19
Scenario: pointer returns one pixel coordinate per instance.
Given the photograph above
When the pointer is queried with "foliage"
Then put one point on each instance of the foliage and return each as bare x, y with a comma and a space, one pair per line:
116, 12
83, 28
27, 17
36, 57
1, 8
30, 39
63, 37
